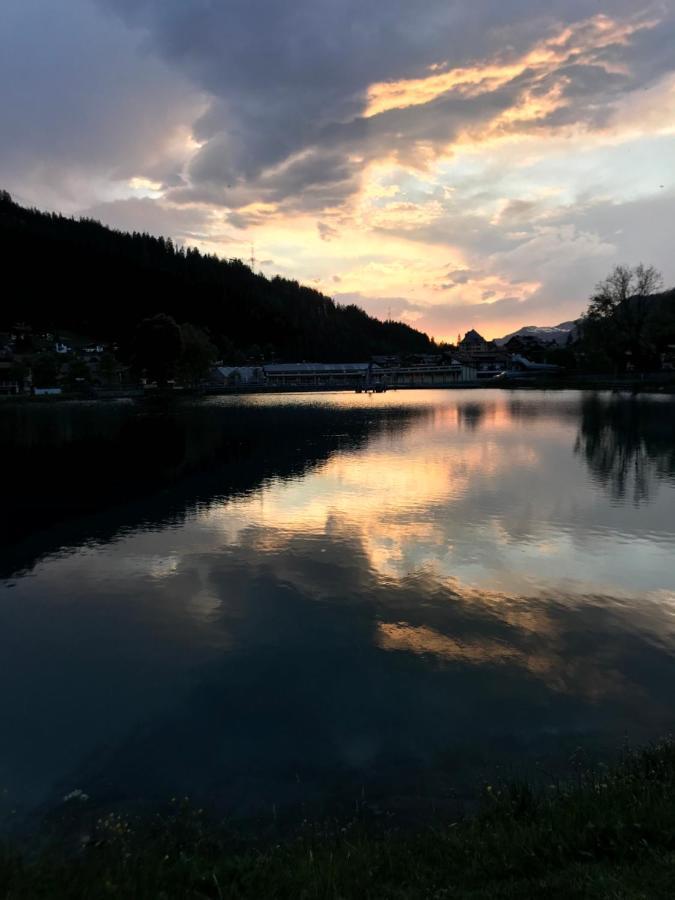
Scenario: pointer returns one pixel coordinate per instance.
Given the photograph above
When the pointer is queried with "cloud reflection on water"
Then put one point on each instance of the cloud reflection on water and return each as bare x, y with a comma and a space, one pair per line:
313, 671
454, 588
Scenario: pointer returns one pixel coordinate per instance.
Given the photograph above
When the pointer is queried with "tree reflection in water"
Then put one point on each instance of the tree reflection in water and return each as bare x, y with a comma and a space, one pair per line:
628, 443
83, 472
471, 415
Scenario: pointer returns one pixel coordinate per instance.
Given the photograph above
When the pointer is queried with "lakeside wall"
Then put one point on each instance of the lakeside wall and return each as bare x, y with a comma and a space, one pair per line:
661, 382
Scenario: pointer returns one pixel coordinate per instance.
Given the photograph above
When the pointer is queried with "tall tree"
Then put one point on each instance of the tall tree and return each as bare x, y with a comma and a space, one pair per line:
620, 285
158, 345
78, 373
615, 325
108, 368
197, 355
46, 370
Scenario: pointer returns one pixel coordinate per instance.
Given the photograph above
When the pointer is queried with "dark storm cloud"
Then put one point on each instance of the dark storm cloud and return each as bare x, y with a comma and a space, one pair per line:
80, 102
320, 177
287, 82
328, 171
649, 53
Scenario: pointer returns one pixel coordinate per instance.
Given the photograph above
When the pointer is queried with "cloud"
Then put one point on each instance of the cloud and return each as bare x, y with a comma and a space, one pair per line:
326, 231
192, 226
517, 211
383, 307
459, 276
82, 108
304, 95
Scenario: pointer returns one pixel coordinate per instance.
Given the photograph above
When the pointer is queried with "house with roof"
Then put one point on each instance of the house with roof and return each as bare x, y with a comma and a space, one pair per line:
484, 356
473, 341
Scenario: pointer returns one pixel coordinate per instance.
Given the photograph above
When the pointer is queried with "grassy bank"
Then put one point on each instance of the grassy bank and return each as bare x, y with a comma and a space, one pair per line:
609, 834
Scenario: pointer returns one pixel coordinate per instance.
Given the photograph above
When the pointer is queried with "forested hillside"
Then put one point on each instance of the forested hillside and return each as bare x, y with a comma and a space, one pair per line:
78, 275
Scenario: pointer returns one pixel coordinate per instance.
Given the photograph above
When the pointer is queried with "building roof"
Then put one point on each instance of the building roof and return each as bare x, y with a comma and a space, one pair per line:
472, 337
227, 370
317, 368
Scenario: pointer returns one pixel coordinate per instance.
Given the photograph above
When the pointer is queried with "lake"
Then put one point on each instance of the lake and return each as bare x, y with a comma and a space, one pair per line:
302, 602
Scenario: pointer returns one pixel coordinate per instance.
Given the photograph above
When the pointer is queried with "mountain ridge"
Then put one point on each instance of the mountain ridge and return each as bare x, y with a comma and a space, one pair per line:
559, 333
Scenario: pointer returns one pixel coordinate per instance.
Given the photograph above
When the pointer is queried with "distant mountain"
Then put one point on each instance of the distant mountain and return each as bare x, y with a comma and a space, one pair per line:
558, 333
63, 274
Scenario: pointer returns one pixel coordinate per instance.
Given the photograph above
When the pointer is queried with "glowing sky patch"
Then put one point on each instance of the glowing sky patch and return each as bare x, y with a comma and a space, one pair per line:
579, 45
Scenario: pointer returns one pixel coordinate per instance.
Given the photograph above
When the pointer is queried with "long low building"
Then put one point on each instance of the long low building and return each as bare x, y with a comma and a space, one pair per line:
347, 375
317, 374
295, 375
427, 376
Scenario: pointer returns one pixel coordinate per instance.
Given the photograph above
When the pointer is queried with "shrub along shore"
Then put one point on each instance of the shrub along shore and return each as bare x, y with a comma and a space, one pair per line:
609, 833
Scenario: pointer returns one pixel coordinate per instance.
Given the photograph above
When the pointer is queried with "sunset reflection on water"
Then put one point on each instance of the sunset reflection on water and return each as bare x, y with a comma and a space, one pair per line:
499, 503
479, 577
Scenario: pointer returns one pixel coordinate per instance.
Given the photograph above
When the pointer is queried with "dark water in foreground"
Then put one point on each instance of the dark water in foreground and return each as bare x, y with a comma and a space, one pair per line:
285, 601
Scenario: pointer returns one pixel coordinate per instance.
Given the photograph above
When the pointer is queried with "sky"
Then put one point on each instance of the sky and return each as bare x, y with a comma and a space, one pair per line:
452, 164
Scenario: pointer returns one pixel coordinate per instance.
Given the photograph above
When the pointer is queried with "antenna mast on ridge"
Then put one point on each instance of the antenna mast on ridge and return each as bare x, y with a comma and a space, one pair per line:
252, 260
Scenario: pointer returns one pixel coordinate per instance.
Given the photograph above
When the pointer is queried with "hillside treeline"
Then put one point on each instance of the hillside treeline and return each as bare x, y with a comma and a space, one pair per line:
65, 274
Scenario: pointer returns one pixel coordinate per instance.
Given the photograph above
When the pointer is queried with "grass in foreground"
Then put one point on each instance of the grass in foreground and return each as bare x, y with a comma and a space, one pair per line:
609, 835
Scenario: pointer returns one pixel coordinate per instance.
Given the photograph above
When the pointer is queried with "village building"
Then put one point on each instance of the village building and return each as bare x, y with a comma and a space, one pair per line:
473, 342
484, 356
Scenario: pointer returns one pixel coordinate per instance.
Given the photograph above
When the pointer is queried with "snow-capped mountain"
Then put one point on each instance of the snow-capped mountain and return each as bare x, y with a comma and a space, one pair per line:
557, 333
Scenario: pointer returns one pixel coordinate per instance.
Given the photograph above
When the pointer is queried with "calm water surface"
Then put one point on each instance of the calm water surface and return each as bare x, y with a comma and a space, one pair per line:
295, 601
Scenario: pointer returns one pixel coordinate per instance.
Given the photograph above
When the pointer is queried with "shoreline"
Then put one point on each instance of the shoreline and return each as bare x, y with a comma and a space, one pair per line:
581, 383
609, 832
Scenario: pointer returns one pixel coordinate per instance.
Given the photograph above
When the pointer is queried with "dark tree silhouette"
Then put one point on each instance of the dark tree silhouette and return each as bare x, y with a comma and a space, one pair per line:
46, 370
158, 345
616, 325
621, 284
107, 368
629, 445
197, 355
78, 373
